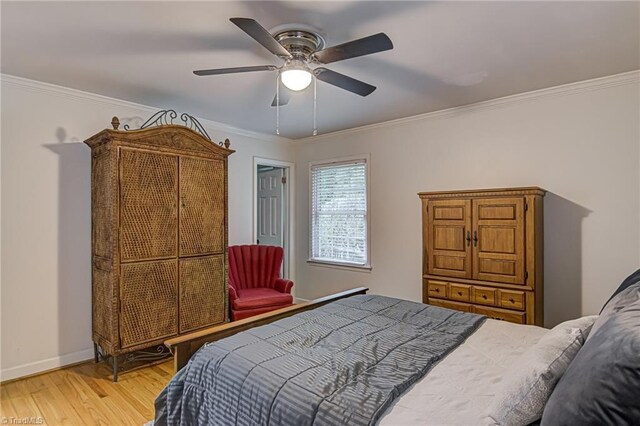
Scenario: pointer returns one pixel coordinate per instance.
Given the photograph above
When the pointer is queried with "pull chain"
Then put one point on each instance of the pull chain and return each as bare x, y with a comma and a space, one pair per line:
315, 105
315, 99
278, 105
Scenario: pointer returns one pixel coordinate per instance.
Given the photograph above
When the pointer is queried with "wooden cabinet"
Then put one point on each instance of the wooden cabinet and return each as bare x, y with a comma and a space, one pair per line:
482, 252
159, 236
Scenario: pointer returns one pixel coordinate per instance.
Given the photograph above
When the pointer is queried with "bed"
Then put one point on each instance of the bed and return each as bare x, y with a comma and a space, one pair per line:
360, 359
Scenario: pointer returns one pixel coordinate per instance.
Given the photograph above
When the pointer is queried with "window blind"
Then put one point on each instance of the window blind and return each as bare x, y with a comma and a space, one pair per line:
339, 212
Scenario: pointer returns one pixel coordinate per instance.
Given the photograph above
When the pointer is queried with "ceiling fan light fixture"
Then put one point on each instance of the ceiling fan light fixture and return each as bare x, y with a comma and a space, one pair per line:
295, 79
296, 76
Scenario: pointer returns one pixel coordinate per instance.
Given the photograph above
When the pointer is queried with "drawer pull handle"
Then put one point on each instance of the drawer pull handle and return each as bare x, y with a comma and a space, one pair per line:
459, 293
437, 290
512, 301
484, 296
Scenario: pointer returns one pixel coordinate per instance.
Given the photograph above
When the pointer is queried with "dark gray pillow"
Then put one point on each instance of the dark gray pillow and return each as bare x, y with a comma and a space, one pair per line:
602, 384
628, 282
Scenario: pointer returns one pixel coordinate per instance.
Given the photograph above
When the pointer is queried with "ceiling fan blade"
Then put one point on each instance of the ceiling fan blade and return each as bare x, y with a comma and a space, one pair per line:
261, 35
344, 82
285, 97
235, 70
352, 49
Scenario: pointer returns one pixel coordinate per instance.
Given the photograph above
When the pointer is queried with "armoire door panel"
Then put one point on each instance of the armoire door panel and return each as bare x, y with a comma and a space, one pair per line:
148, 301
201, 284
202, 206
499, 240
450, 263
448, 212
497, 212
448, 235
496, 239
495, 266
148, 205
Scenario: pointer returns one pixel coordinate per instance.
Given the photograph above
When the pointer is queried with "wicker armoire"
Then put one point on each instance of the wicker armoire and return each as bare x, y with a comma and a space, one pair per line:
159, 235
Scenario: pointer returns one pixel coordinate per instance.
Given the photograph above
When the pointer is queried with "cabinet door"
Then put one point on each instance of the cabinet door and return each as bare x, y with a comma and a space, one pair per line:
498, 226
202, 292
148, 302
148, 205
449, 238
202, 206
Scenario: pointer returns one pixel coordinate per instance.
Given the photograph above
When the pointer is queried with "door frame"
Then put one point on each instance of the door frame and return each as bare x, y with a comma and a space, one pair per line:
289, 208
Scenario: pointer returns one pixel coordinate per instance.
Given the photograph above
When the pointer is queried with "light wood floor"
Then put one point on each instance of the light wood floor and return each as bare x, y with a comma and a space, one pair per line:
85, 395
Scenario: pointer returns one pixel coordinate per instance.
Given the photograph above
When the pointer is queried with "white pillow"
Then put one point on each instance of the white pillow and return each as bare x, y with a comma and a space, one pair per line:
530, 380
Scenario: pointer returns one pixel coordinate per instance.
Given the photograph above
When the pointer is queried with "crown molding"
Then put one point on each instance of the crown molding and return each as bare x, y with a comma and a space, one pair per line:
631, 77
75, 94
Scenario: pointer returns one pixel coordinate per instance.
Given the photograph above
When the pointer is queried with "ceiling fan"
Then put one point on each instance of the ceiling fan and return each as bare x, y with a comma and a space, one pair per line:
301, 48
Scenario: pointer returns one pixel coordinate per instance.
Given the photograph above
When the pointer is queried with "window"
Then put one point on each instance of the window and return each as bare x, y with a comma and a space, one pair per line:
339, 207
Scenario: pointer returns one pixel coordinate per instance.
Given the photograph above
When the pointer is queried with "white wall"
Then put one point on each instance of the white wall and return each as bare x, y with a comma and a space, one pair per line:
580, 142
46, 240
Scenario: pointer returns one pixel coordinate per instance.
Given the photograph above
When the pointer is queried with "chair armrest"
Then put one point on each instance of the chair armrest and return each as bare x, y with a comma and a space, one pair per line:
283, 286
232, 293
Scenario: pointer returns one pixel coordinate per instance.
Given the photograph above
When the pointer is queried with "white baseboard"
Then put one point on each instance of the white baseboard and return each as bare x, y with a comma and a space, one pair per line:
45, 364
300, 300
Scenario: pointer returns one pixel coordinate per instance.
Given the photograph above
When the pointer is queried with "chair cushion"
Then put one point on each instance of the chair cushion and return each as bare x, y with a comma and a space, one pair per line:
251, 298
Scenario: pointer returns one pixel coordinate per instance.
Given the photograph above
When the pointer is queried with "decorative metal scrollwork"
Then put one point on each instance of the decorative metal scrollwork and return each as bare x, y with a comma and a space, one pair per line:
166, 116
191, 122
154, 354
160, 118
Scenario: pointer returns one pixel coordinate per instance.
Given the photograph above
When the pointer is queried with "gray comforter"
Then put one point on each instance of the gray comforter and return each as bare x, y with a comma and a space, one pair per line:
340, 364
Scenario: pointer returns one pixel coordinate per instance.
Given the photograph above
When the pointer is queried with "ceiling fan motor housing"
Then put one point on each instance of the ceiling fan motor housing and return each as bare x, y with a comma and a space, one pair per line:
300, 43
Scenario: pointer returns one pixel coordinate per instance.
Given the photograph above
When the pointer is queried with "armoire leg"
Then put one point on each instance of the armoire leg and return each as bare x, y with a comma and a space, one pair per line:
96, 354
115, 368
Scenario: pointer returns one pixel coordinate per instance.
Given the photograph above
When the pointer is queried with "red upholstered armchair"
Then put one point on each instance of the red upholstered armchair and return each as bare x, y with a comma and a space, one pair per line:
255, 285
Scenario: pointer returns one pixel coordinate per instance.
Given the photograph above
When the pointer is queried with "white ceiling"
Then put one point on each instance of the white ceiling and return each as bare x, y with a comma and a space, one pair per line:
446, 54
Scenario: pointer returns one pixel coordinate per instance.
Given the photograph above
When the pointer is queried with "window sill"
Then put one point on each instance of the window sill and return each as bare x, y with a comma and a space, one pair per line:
337, 265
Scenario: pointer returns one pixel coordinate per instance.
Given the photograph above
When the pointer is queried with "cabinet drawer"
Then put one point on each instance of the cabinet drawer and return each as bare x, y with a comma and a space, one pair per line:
483, 295
437, 289
500, 314
451, 305
511, 299
459, 292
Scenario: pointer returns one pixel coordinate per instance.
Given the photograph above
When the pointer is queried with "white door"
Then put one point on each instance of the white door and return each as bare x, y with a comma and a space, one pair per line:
270, 215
